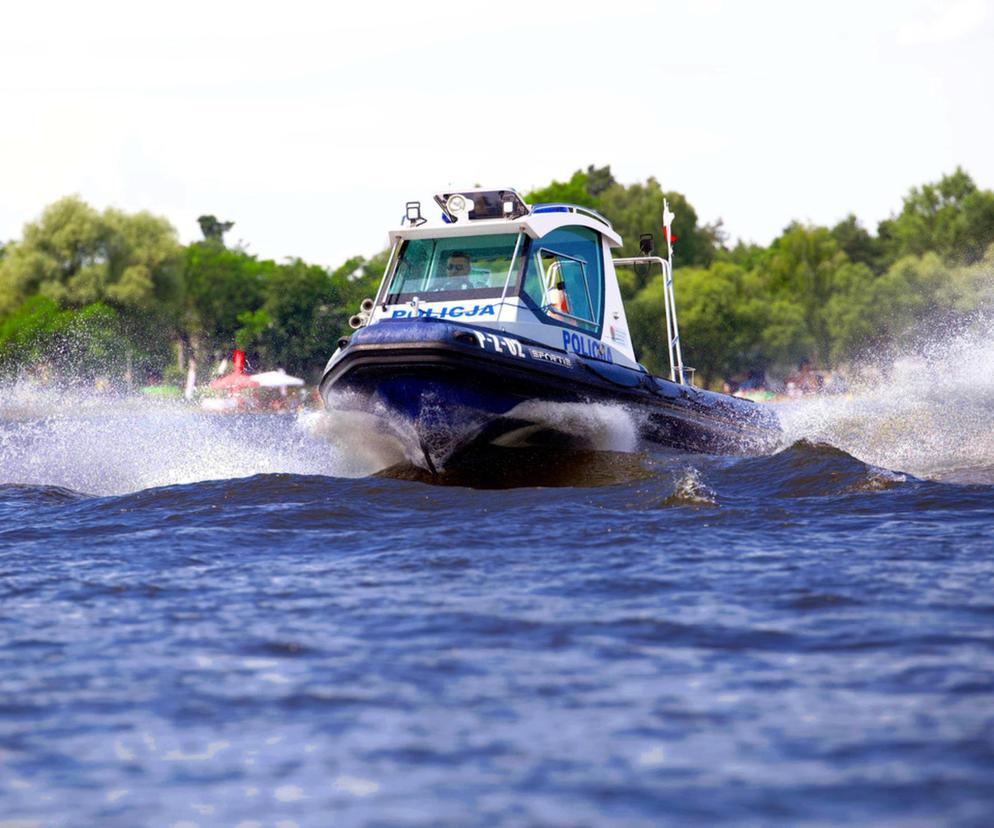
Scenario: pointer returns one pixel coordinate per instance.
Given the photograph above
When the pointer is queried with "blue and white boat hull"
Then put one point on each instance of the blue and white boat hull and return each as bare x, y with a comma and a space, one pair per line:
455, 385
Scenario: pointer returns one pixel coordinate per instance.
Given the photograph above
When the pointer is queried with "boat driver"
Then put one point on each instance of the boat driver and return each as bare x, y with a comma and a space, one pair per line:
457, 270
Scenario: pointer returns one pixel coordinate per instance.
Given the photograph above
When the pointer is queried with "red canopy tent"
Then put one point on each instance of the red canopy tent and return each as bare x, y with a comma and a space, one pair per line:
237, 379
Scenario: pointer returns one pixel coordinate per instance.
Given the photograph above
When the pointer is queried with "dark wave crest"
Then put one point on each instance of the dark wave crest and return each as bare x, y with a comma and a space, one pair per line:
808, 469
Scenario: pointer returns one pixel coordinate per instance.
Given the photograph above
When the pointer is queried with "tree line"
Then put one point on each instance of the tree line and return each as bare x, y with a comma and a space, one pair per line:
86, 293
829, 296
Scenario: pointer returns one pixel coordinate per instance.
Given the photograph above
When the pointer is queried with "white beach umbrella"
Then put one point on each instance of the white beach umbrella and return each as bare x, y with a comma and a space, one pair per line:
276, 379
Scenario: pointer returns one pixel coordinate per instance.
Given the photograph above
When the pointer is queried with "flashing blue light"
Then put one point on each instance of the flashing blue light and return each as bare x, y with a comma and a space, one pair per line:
550, 208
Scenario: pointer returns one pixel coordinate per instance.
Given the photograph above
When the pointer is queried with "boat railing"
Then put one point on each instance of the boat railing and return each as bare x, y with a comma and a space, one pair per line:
677, 371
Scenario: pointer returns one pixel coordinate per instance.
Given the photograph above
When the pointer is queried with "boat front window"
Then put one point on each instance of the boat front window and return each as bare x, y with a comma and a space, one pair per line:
460, 267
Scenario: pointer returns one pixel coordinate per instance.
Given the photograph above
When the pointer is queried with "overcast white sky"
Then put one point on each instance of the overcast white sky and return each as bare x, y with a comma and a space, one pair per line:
310, 124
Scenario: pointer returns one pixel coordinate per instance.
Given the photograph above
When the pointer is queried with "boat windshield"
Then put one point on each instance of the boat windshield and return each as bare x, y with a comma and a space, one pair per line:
463, 267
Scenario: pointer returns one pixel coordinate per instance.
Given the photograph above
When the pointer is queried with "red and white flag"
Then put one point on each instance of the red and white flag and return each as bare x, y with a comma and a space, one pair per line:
667, 222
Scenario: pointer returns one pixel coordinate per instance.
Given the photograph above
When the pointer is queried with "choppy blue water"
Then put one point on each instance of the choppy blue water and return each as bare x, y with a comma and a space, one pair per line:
210, 621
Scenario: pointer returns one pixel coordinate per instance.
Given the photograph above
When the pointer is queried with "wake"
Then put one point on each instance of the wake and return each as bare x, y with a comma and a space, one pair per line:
102, 444
112, 444
928, 413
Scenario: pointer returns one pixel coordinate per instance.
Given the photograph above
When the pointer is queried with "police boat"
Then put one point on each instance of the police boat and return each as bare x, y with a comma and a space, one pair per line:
500, 305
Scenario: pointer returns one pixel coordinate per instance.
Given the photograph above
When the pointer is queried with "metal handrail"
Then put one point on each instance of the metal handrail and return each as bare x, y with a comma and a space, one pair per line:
669, 303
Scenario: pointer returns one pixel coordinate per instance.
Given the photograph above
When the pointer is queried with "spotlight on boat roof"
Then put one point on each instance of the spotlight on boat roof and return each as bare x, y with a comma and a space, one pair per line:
457, 205
480, 204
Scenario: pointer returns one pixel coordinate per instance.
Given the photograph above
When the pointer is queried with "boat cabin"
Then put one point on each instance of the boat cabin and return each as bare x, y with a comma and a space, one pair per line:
542, 272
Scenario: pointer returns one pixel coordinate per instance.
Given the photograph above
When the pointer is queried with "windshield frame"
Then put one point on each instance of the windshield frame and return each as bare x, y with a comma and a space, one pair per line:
492, 291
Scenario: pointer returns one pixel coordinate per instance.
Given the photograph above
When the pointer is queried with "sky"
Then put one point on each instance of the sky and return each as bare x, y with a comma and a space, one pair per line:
311, 124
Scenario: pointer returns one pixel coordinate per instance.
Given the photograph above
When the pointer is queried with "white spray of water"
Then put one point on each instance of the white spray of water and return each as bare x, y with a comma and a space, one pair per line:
689, 489
107, 444
359, 441
930, 414
597, 426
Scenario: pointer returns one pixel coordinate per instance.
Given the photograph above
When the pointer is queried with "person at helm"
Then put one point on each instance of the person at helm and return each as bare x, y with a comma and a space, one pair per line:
458, 266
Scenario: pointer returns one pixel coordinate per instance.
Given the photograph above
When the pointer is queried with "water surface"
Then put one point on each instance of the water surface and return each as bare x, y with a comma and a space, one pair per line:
223, 621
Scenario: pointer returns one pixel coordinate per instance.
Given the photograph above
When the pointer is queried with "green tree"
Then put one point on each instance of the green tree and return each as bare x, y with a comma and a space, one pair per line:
856, 242
969, 290
951, 217
77, 256
75, 344
220, 285
24, 331
638, 209
710, 324
213, 229
599, 179
144, 262
850, 315
304, 311
357, 279
720, 324
574, 191
870, 314
785, 338
299, 336
800, 267
253, 325
747, 255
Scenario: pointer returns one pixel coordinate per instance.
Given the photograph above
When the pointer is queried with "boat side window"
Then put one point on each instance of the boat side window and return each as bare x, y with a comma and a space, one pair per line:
453, 268
565, 277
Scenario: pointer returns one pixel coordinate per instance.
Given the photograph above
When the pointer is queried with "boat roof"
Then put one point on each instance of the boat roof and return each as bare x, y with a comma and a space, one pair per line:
491, 211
